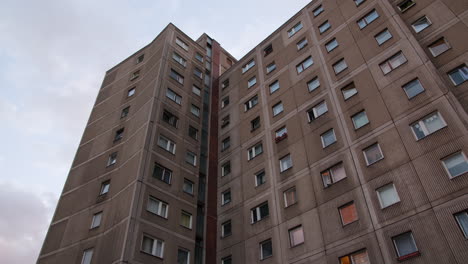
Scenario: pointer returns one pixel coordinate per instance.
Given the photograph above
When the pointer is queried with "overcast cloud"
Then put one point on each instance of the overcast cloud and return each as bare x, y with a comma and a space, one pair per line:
53, 56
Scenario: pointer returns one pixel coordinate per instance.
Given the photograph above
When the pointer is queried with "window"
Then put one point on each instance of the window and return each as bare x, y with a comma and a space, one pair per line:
199, 57
333, 174
359, 257
405, 246
251, 82
324, 27
270, 67
225, 84
157, 207
428, 125
348, 213
274, 87
226, 168
105, 186
179, 59
195, 110
438, 47
125, 112
260, 178
290, 197
268, 50
183, 256
405, 5
112, 159
266, 249
87, 256
328, 138
176, 76
360, 119
196, 90
455, 164
173, 96
225, 121
255, 151
317, 111
193, 132
224, 102
131, 92
191, 158
170, 118
304, 65
119, 134
225, 144
259, 212
317, 11
285, 163
281, 134
462, 220
162, 173
167, 144
383, 36
181, 44
294, 29
152, 246
421, 24
331, 45
277, 109
140, 58
372, 154
186, 219
413, 88
226, 229
349, 91
301, 44
459, 75
187, 187
135, 75
251, 103
296, 236
226, 197
248, 66
340, 66
255, 123
198, 73
96, 221
313, 84
367, 19
226, 260
387, 195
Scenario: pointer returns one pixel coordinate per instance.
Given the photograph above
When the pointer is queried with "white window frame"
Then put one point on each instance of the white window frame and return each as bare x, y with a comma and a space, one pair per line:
447, 169
368, 18
423, 126
223, 199
179, 59
223, 229
282, 168
292, 31
429, 23
275, 108
154, 246
257, 213
304, 65
354, 122
406, 85
365, 156
285, 197
251, 103
195, 110
168, 145
196, 90
225, 172
188, 255
87, 256
173, 96
252, 152
290, 233
262, 257
251, 82
315, 111
182, 213
396, 247
302, 43
397, 200
327, 132
331, 172
182, 44
190, 153
96, 220
160, 206
176, 76
464, 72
190, 184
261, 174
248, 66
388, 35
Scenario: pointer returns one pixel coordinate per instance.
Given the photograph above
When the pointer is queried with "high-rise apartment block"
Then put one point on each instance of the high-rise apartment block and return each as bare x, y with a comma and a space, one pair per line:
341, 138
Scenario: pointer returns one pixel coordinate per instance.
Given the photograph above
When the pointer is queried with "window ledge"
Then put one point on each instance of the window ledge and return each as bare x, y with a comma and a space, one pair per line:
409, 256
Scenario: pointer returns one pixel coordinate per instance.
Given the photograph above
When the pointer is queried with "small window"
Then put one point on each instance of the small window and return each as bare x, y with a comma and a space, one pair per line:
455, 164
405, 5
170, 118
360, 119
428, 125
157, 207
387, 195
290, 197
195, 110
328, 138
199, 57
186, 219
260, 178
324, 27
96, 221
187, 187
459, 75
278, 109
181, 44
226, 168
266, 249
259, 212
248, 66
131, 92
270, 67
152, 246
340, 66
373, 154
251, 82
226, 197
304, 65
198, 73
285, 163
119, 134
274, 86
112, 159
183, 256
225, 84
294, 29
255, 151
226, 260
367, 19
331, 45
462, 220
349, 91
125, 112
140, 58
268, 50
317, 11
296, 236
439, 46
413, 88
196, 90
191, 158
167, 144
383, 36
173, 96
421, 24
87, 256
255, 123
317, 111
333, 174
105, 186
176, 76
348, 213
225, 121
224, 102
359, 257
251, 103
313, 84
301, 44
193, 132
405, 246
176, 57
226, 229
281, 134
226, 143
135, 75
162, 173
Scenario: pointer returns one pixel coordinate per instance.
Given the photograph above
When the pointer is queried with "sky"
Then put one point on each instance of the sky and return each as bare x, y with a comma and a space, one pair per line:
53, 56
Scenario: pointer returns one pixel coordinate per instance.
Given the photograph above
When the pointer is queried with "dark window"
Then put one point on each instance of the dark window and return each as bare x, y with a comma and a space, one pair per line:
170, 118
255, 123
125, 112
193, 132
119, 134
162, 173
268, 50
